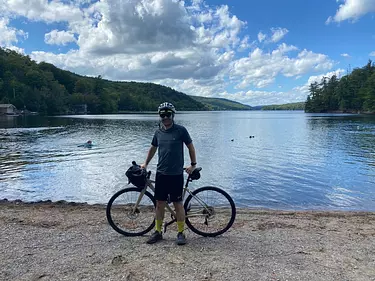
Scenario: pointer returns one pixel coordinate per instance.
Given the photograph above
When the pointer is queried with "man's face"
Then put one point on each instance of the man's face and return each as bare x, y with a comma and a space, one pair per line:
166, 117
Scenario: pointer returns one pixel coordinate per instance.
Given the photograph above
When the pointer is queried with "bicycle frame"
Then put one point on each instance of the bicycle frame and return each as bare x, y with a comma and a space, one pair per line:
150, 184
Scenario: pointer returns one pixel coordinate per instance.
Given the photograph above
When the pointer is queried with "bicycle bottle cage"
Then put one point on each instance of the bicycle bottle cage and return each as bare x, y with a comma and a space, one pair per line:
195, 174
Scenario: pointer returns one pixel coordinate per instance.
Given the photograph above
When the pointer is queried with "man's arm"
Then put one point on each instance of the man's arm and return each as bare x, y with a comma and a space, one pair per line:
150, 154
193, 158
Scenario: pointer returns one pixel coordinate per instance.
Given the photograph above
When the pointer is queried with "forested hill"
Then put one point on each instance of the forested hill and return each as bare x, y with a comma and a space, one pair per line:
47, 89
287, 106
221, 104
354, 92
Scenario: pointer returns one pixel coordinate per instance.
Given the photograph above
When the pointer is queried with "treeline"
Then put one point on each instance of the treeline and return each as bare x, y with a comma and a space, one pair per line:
47, 89
288, 106
354, 92
221, 104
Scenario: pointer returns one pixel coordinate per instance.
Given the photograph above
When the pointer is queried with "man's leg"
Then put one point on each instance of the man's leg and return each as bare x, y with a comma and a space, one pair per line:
180, 212
180, 217
161, 197
159, 214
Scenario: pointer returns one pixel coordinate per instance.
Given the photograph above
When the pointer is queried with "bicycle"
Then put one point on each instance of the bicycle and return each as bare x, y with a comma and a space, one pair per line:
136, 217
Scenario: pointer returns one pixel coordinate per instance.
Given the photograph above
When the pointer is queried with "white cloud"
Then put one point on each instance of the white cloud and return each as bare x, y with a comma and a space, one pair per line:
260, 69
193, 63
152, 39
56, 37
352, 10
137, 27
317, 78
187, 45
345, 55
297, 94
255, 98
48, 11
9, 35
17, 49
372, 54
261, 37
245, 44
278, 33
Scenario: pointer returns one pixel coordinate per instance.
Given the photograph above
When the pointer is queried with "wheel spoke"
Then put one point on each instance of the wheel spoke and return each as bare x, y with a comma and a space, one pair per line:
127, 218
211, 211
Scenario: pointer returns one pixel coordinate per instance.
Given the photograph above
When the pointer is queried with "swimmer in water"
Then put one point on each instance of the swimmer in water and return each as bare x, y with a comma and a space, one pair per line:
87, 144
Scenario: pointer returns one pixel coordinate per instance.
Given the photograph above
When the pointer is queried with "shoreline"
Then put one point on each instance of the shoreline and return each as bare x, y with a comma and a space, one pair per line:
5, 201
73, 241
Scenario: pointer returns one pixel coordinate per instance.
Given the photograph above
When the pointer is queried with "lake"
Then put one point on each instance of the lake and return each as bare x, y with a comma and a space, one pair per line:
294, 161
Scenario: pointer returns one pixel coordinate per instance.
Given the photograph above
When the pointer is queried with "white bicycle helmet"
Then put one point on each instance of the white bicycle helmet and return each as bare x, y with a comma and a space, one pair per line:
166, 106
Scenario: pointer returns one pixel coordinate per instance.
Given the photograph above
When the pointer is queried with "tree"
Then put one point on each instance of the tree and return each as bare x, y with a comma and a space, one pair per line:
49, 90
352, 93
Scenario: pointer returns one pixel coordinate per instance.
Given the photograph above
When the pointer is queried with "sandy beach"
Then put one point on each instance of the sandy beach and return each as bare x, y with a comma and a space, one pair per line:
71, 241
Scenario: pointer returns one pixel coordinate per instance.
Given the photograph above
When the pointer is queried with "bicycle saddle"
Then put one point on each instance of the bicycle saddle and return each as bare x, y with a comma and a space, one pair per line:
195, 174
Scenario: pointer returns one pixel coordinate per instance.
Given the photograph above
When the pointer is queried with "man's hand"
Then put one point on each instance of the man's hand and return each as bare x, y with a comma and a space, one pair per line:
144, 166
190, 169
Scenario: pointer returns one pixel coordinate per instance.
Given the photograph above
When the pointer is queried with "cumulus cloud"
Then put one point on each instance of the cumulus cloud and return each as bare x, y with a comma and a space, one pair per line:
317, 78
137, 27
352, 10
297, 94
278, 34
151, 39
56, 37
187, 45
9, 35
48, 11
261, 68
345, 55
261, 37
254, 98
17, 49
151, 66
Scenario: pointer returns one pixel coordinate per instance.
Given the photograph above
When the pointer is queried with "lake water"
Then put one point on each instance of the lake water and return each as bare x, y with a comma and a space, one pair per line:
295, 160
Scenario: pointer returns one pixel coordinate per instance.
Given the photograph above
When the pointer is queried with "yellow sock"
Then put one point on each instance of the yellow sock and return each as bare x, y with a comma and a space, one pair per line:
158, 224
180, 226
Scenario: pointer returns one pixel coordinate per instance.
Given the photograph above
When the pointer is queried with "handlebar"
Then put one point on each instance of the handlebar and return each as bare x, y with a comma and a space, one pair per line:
194, 175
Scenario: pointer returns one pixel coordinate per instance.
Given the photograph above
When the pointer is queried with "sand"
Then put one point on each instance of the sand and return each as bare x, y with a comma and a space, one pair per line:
70, 241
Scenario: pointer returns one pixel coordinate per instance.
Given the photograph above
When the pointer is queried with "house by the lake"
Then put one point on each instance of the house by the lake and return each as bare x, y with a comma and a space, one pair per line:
8, 109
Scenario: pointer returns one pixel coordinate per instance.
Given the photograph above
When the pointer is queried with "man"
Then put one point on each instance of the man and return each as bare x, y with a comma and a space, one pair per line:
169, 179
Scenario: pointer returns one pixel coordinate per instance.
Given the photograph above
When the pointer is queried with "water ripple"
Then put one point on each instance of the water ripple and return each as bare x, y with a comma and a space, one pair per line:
294, 161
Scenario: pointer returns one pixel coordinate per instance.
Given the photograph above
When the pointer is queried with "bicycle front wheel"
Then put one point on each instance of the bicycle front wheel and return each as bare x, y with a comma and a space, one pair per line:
210, 211
128, 219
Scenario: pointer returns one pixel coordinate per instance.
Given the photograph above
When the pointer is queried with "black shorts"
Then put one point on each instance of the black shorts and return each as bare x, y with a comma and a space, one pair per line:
169, 185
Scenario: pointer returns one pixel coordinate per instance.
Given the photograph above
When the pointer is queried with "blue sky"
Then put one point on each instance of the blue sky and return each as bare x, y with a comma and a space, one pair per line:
254, 52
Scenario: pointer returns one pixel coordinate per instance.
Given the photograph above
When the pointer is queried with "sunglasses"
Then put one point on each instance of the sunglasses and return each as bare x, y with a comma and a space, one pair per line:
165, 114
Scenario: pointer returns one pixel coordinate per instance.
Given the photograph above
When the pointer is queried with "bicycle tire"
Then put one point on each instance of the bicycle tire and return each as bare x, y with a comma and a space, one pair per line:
115, 226
230, 206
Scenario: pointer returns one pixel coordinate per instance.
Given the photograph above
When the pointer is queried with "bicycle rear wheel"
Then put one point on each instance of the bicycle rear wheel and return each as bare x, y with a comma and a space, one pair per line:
210, 211
123, 217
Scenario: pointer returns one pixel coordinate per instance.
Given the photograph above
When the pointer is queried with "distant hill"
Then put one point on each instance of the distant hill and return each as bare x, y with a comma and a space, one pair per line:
44, 88
221, 104
287, 106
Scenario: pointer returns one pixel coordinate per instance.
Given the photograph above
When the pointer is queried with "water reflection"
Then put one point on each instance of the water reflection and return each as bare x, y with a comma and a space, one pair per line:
294, 161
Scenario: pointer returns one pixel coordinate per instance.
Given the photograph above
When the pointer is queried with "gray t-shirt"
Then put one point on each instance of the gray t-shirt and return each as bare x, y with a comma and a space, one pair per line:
170, 149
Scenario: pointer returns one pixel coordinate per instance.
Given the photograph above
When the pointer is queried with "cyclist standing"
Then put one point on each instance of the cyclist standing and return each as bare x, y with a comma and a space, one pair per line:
169, 180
